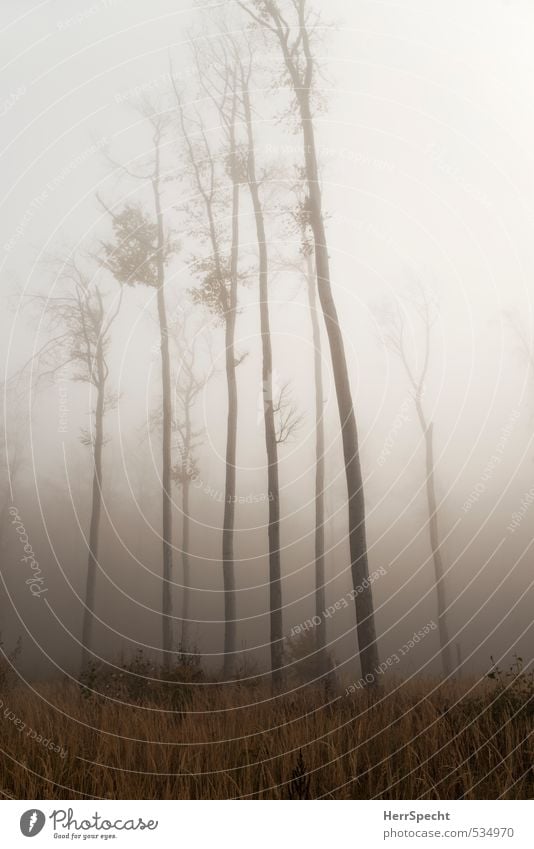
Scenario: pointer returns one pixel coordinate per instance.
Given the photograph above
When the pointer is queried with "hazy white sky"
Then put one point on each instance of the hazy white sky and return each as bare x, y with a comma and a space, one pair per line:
427, 145
428, 154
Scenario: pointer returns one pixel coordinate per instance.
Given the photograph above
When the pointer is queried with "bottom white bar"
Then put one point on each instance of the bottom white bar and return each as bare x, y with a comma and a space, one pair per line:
269, 824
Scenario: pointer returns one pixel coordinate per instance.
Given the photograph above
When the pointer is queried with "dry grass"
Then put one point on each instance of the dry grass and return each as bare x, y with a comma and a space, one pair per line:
419, 740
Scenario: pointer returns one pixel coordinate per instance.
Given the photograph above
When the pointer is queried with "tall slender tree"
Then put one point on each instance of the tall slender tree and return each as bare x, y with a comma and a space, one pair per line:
218, 291
394, 321
79, 325
271, 440
294, 39
320, 595
188, 383
299, 220
139, 254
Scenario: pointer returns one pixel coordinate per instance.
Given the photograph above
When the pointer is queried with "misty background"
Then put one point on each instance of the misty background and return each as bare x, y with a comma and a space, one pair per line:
426, 151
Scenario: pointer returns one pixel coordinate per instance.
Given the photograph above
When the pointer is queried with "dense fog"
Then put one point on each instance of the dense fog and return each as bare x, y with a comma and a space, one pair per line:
424, 141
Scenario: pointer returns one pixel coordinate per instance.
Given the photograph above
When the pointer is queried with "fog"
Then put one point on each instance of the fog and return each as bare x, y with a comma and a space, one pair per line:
424, 138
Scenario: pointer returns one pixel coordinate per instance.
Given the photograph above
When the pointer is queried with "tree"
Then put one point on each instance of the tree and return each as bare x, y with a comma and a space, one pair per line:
79, 324
271, 436
139, 254
287, 418
188, 384
298, 221
323, 660
219, 278
322, 657
394, 321
295, 42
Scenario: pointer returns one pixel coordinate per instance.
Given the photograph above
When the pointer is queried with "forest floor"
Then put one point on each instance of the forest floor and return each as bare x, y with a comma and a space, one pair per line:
199, 740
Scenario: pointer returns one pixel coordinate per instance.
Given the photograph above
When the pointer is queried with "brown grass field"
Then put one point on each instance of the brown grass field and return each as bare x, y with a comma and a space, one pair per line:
409, 740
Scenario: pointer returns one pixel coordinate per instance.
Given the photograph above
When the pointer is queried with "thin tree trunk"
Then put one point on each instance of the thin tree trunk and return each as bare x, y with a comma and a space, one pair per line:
275, 588
186, 591
300, 67
368, 651
231, 443
166, 604
96, 510
166, 485
229, 307
445, 648
186, 472
229, 303
320, 600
